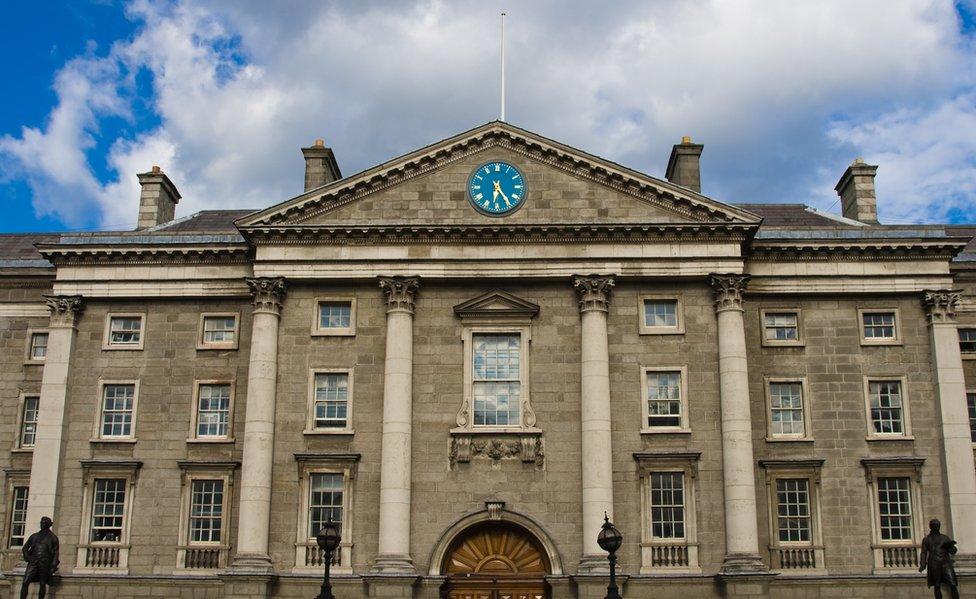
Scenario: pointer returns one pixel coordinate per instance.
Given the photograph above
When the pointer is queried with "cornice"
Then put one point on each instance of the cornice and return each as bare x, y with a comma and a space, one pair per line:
63, 255
873, 250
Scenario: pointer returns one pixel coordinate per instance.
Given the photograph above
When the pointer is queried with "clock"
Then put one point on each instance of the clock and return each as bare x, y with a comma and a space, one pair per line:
496, 188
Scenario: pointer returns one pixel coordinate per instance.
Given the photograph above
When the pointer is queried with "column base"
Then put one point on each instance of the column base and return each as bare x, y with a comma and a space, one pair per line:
754, 585
965, 562
594, 563
246, 584
251, 563
390, 585
393, 564
743, 563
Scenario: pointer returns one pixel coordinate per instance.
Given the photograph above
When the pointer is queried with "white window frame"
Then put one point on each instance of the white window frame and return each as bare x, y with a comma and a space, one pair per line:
318, 331
107, 336
14, 478
809, 470
644, 329
966, 355
310, 405
97, 436
684, 427
896, 340
807, 435
910, 468
769, 310
194, 471
98, 470
21, 412
195, 412
906, 434
345, 465
28, 353
649, 463
968, 393
202, 344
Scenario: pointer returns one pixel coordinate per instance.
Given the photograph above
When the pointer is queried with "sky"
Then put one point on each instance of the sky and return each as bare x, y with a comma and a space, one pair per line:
222, 94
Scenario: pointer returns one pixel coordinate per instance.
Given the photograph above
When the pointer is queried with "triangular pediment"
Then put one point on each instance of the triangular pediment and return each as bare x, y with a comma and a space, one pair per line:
428, 187
496, 304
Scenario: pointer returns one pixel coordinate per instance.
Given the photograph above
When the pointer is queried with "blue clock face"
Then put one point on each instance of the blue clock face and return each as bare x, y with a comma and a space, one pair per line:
496, 188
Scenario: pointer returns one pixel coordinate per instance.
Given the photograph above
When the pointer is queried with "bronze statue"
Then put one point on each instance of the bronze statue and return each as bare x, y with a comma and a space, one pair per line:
41, 555
937, 552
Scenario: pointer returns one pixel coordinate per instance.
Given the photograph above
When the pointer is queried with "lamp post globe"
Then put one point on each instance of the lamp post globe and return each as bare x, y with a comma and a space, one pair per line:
610, 540
328, 539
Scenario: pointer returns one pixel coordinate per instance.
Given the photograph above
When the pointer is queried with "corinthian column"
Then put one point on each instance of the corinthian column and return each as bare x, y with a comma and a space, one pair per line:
597, 466
394, 543
741, 527
958, 465
48, 450
259, 425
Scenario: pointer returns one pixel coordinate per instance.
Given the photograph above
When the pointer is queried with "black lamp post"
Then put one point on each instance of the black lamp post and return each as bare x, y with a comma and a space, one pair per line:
609, 540
328, 539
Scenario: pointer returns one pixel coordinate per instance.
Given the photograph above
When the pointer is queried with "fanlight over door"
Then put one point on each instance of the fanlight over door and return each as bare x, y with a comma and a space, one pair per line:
496, 561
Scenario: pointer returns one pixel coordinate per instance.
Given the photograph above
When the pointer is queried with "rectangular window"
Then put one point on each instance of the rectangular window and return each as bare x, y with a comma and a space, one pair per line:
786, 409
887, 407
667, 505
879, 326
497, 384
219, 330
108, 510
125, 331
28, 422
895, 508
206, 511
971, 404
38, 346
781, 326
967, 341
325, 500
793, 518
331, 400
18, 517
213, 410
118, 404
660, 313
663, 399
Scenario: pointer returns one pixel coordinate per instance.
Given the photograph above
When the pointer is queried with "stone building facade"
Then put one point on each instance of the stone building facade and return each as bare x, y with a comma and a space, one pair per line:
767, 400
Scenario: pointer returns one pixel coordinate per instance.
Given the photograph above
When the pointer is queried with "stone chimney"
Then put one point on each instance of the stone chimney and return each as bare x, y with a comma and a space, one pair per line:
320, 165
684, 166
157, 203
856, 191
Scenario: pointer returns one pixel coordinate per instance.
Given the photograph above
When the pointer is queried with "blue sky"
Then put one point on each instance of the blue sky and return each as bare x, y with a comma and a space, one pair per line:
223, 94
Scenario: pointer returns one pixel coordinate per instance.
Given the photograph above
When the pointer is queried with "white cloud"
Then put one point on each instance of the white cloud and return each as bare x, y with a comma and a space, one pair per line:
780, 93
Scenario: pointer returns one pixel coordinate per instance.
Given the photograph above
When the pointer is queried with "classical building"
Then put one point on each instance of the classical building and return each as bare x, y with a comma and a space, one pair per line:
467, 356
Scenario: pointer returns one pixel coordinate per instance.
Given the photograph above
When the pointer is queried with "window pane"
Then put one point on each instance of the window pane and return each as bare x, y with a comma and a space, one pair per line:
206, 511
660, 313
28, 426
667, 505
663, 399
38, 349
335, 315
781, 326
213, 415
886, 407
117, 410
895, 509
18, 517
793, 510
786, 408
879, 325
219, 329
971, 403
325, 501
125, 330
497, 386
331, 400
108, 510
967, 340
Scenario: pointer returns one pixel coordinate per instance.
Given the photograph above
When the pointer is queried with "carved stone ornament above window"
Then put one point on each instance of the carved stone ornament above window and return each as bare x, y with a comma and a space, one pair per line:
527, 447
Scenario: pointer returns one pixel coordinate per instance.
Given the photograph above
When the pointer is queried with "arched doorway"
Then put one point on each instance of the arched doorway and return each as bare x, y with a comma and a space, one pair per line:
496, 560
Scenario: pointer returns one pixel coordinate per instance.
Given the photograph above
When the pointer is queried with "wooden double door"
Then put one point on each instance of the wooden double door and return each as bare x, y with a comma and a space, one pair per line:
496, 560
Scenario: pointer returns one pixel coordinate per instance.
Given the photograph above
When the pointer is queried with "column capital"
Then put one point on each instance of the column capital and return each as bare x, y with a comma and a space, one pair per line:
940, 305
728, 289
593, 292
268, 293
401, 293
65, 309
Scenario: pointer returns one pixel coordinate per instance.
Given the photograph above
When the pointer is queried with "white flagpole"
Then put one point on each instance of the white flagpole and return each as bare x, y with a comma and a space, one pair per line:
503, 67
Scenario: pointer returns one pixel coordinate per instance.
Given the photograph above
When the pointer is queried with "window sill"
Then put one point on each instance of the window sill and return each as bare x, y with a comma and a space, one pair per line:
22, 450
665, 431
314, 432
496, 430
884, 342
968, 355
898, 438
789, 439
33, 362
335, 333
783, 344
217, 347
121, 441
661, 331
122, 348
218, 441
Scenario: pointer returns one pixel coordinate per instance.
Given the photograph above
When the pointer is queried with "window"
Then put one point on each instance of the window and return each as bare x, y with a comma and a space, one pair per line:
206, 490
28, 422
664, 400
206, 511
793, 487
669, 541
967, 341
18, 516
104, 536
118, 409
668, 505
787, 417
324, 502
108, 510
660, 315
793, 510
879, 327
326, 492
213, 410
330, 401
971, 404
124, 331
335, 316
887, 409
894, 492
781, 327
895, 508
218, 331
37, 346
497, 385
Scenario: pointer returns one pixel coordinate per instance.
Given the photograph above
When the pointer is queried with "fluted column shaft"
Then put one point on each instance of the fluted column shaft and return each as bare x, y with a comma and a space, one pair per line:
597, 456
259, 425
741, 521
48, 446
394, 537
959, 467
